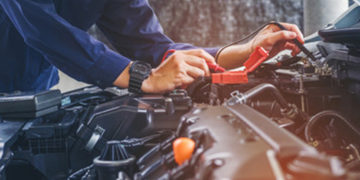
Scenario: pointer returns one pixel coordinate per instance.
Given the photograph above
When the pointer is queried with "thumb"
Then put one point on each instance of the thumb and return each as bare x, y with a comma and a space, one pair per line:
281, 36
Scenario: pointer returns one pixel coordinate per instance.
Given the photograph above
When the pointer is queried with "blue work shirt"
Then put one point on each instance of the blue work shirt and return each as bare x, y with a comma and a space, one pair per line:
39, 36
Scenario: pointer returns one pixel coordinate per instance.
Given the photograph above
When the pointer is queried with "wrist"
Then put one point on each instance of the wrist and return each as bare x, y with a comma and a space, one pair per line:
249, 47
148, 86
122, 80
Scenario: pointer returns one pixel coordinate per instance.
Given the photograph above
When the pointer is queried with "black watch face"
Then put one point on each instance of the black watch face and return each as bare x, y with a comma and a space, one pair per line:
141, 68
138, 72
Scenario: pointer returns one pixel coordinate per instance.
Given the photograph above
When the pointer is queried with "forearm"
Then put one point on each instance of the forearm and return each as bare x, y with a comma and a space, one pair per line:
67, 47
234, 56
122, 80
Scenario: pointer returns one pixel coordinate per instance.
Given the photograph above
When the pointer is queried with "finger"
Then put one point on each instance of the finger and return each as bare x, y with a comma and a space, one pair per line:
185, 80
194, 72
297, 51
294, 28
199, 63
202, 54
291, 46
278, 36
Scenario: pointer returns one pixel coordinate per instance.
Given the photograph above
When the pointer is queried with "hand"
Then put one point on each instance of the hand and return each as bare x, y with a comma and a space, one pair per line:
275, 40
181, 68
271, 38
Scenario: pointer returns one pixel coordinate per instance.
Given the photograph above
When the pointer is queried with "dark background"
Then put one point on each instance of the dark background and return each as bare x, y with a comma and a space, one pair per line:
210, 23
218, 22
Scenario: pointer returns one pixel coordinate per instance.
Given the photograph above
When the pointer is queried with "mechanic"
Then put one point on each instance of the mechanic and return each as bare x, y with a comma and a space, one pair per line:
39, 36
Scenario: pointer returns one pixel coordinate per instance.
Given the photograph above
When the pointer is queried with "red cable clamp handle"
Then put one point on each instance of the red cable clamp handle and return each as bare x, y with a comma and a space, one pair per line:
240, 77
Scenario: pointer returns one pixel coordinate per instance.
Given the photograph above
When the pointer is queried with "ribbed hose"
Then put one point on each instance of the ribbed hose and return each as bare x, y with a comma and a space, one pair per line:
317, 117
268, 87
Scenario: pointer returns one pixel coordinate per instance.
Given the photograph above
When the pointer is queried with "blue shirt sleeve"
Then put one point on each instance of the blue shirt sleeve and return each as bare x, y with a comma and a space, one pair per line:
69, 48
130, 25
134, 30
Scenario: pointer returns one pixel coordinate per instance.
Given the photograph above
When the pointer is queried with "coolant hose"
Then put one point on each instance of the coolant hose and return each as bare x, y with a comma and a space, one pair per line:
262, 88
317, 117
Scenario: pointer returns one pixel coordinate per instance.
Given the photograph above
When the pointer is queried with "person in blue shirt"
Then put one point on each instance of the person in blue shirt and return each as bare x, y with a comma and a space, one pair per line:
37, 37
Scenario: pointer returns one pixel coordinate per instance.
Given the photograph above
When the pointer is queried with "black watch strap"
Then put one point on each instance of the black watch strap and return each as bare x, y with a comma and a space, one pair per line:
135, 84
139, 71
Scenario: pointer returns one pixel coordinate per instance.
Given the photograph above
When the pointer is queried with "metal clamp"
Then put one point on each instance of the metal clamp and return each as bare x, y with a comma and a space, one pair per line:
236, 98
95, 137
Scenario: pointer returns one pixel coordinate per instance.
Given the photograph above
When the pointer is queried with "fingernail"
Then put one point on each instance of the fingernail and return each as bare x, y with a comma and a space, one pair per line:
292, 35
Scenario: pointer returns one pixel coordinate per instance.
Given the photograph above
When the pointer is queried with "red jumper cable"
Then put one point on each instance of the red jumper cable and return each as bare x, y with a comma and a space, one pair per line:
220, 76
240, 77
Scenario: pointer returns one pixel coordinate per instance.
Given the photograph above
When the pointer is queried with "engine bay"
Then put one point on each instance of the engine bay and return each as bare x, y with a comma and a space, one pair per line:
294, 118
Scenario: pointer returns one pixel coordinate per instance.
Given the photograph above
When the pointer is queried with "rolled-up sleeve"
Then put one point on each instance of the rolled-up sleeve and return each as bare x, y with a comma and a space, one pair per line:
69, 48
134, 30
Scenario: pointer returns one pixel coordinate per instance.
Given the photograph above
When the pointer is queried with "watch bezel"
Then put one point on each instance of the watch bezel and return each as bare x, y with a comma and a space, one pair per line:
138, 76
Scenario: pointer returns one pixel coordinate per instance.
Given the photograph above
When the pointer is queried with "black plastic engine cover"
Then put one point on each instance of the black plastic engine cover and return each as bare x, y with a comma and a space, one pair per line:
131, 116
234, 142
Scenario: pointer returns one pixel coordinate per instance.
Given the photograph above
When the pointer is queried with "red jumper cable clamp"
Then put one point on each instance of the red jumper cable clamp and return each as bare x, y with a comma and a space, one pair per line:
219, 76
240, 77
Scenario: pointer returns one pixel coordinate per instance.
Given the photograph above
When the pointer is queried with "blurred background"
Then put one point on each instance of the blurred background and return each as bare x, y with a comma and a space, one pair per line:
218, 22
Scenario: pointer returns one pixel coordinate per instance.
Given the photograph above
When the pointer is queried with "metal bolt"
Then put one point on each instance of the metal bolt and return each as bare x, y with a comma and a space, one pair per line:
218, 162
192, 120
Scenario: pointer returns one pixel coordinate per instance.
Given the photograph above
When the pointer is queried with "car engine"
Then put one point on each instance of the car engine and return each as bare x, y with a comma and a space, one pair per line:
293, 118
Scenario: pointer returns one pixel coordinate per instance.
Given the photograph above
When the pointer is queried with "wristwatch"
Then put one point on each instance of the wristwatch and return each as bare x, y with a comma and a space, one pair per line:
139, 71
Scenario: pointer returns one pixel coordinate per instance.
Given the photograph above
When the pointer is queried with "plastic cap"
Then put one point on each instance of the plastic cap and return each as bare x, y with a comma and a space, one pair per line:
183, 148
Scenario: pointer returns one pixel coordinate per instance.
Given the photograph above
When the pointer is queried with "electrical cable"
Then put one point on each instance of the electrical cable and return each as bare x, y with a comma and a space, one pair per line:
135, 142
239, 41
79, 173
297, 43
